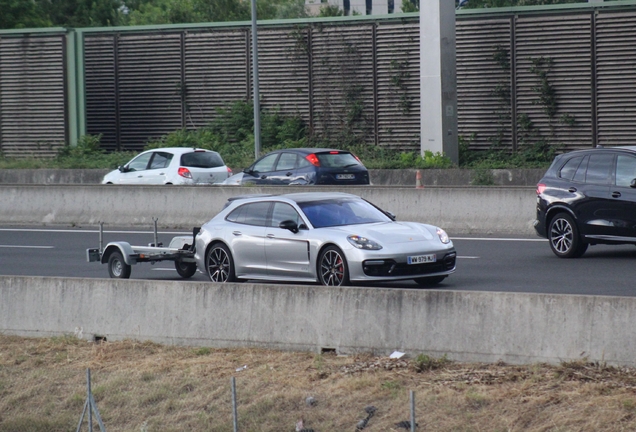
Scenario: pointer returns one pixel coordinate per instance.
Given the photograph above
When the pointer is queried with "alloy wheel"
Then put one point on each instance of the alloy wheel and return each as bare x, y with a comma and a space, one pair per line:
562, 235
219, 265
332, 268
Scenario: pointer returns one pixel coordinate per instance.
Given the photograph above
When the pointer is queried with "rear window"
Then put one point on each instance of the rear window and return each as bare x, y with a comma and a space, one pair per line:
337, 160
201, 160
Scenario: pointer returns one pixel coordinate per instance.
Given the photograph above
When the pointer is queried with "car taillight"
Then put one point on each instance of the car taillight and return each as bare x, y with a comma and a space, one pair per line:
357, 158
313, 159
229, 171
540, 188
184, 172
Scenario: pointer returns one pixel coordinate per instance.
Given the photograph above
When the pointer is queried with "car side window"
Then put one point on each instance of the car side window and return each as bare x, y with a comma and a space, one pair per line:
160, 160
599, 169
287, 161
140, 163
250, 214
569, 169
625, 170
283, 212
266, 164
580, 173
303, 162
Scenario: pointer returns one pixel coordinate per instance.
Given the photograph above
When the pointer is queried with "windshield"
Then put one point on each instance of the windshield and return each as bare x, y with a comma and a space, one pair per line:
338, 212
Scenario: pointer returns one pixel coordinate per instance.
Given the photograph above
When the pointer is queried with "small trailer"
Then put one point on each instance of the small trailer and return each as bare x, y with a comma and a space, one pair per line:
121, 256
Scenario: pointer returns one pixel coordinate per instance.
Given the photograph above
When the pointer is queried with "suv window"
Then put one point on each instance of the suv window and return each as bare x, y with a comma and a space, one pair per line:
569, 169
599, 169
201, 159
250, 214
625, 170
580, 173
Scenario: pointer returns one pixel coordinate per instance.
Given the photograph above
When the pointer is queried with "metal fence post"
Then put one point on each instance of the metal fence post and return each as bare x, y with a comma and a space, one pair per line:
234, 415
412, 411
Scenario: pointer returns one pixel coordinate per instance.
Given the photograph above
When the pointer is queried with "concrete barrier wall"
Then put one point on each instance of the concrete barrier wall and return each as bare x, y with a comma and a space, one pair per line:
459, 210
466, 326
379, 177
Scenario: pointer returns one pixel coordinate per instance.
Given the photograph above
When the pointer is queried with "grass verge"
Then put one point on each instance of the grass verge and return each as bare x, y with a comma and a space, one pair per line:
149, 387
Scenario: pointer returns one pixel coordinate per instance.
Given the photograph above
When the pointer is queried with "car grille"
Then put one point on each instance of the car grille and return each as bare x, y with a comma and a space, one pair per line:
389, 268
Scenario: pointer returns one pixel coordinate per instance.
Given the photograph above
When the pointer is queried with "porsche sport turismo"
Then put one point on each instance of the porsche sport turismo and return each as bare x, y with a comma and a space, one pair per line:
329, 238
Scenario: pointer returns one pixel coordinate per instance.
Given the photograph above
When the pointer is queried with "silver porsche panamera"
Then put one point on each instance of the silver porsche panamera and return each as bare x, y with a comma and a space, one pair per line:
330, 238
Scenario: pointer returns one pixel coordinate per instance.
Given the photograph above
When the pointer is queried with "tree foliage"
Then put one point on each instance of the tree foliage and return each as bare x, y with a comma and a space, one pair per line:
17, 14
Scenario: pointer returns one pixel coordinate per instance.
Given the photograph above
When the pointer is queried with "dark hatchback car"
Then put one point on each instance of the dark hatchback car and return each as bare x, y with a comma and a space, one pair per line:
304, 166
588, 197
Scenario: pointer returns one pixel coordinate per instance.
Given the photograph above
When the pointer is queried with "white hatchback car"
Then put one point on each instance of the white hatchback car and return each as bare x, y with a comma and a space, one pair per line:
172, 165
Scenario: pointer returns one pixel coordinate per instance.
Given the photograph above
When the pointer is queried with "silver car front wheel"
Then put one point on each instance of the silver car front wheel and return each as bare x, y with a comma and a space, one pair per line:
332, 267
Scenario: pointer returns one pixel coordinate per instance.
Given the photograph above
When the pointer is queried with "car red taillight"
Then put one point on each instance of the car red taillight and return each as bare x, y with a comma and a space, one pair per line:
184, 172
313, 159
229, 171
540, 188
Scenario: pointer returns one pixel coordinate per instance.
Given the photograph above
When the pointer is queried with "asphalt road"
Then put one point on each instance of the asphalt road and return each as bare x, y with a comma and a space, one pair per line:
484, 264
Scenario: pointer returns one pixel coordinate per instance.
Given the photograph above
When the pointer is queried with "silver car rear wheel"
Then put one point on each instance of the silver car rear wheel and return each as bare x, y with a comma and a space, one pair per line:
219, 264
332, 267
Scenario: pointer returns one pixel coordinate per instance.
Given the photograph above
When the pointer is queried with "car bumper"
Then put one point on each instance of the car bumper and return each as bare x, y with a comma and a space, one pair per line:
381, 269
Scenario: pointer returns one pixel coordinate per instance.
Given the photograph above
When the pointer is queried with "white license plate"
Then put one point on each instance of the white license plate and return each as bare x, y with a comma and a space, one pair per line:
345, 176
421, 259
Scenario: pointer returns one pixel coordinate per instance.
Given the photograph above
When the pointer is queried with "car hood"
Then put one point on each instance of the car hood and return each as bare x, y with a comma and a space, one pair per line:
233, 180
392, 232
111, 176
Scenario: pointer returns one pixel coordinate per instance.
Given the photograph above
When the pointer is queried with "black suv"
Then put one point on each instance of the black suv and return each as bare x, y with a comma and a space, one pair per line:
588, 197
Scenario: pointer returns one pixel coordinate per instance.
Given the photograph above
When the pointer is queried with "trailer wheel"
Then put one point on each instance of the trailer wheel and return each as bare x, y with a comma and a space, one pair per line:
117, 267
186, 270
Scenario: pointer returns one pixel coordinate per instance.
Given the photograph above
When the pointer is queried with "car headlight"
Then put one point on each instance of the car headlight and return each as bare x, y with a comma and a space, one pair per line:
363, 243
443, 237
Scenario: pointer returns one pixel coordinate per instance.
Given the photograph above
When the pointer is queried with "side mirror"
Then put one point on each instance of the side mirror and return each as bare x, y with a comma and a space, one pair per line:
632, 184
391, 215
289, 225
122, 169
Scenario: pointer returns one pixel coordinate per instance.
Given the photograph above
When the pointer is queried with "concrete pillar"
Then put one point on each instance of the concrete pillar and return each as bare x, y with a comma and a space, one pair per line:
438, 78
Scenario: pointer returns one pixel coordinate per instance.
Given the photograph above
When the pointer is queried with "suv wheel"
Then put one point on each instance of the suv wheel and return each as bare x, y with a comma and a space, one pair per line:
564, 237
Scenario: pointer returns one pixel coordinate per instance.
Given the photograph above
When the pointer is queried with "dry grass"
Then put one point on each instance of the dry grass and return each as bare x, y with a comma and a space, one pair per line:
149, 387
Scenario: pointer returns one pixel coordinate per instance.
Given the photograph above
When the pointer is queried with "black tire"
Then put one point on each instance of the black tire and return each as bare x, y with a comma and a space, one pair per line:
220, 264
332, 267
117, 267
185, 269
429, 281
564, 238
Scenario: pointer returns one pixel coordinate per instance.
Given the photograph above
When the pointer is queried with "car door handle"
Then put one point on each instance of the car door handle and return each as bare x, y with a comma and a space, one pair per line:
237, 233
289, 174
270, 236
616, 194
162, 173
572, 190
263, 177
